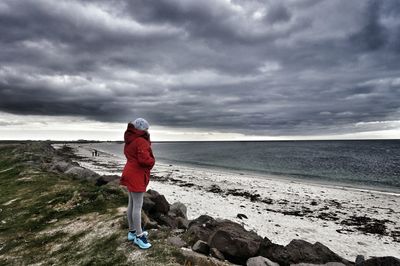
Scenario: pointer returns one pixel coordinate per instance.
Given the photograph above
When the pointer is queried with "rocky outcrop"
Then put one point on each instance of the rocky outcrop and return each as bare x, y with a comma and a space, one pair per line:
215, 240
201, 247
161, 205
82, 173
298, 251
200, 229
240, 246
260, 261
386, 261
159, 212
230, 239
234, 242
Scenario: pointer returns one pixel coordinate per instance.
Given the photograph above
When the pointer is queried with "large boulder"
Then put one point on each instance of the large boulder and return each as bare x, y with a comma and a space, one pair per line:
178, 209
161, 204
200, 229
234, 242
60, 166
176, 241
82, 173
198, 259
105, 179
148, 204
147, 222
386, 261
299, 251
260, 261
201, 247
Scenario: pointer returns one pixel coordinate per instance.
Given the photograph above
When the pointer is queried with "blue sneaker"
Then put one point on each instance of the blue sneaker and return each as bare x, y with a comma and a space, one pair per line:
141, 242
132, 235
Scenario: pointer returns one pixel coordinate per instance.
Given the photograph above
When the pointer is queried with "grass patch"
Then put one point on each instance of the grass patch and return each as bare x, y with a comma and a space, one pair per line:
28, 207
34, 202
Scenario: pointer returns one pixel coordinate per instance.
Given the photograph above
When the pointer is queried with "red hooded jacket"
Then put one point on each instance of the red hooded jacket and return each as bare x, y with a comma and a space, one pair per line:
140, 160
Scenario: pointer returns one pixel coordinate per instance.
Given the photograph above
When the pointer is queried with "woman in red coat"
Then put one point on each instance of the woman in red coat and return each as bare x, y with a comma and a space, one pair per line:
136, 176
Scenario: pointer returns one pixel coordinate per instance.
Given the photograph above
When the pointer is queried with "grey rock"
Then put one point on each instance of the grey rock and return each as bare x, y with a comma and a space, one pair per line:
82, 173
299, 251
60, 166
193, 258
167, 220
382, 261
260, 261
178, 209
201, 247
147, 222
312, 264
236, 243
105, 179
148, 204
200, 229
176, 241
182, 223
161, 204
360, 260
217, 254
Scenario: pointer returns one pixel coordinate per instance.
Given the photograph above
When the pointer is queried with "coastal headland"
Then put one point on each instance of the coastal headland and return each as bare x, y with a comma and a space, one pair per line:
55, 209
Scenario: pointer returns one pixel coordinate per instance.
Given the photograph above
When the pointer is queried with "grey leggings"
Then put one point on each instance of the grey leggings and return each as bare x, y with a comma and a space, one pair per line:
134, 211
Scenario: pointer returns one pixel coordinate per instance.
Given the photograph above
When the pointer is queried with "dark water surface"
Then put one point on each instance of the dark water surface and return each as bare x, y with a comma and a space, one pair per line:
373, 163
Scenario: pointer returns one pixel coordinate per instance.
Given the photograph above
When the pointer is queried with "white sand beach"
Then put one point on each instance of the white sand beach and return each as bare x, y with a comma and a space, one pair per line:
349, 221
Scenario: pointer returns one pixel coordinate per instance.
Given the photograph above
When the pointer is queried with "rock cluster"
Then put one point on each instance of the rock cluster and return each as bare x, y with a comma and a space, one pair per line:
61, 163
158, 212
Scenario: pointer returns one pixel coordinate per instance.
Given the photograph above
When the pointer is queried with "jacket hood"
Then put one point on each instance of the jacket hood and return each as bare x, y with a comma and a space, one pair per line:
132, 133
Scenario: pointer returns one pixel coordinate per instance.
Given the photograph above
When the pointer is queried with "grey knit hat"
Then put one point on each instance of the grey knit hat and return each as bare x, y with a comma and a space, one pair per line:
141, 124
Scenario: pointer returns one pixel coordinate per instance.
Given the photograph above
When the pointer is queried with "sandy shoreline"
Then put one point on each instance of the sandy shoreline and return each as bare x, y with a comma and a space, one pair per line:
349, 221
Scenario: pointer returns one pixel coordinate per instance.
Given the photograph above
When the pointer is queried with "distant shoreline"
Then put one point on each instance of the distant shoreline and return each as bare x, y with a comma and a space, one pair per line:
192, 141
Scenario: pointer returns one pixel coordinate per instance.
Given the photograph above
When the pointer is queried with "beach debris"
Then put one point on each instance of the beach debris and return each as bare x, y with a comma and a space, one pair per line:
6, 170
367, 224
241, 216
245, 194
327, 216
201, 247
214, 189
267, 201
396, 235
10, 202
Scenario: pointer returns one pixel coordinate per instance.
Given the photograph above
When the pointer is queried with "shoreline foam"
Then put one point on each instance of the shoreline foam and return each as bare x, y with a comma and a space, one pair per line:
291, 213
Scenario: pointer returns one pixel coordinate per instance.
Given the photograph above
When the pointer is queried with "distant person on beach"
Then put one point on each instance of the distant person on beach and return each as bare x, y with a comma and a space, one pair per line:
136, 176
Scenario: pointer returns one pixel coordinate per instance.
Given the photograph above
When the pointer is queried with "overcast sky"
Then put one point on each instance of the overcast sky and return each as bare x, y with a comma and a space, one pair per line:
209, 69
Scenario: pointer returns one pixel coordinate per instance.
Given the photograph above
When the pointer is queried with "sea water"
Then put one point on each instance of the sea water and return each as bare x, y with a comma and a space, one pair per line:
372, 163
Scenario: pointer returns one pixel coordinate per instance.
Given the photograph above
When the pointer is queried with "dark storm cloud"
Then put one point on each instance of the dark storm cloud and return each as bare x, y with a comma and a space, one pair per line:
256, 67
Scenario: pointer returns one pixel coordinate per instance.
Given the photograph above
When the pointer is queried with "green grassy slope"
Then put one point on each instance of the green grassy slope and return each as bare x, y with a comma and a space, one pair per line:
48, 218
